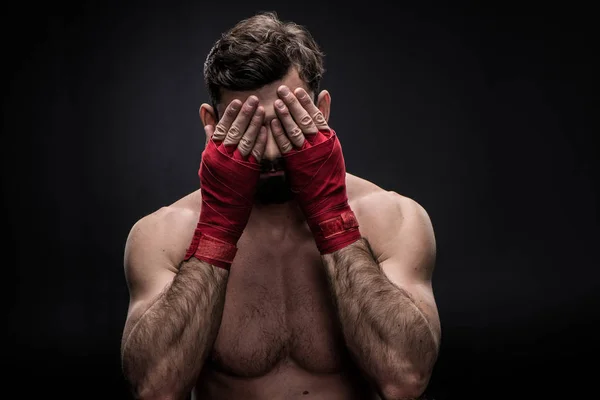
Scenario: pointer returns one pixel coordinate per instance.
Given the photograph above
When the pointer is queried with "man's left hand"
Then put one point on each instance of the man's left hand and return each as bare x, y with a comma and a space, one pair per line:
315, 168
298, 119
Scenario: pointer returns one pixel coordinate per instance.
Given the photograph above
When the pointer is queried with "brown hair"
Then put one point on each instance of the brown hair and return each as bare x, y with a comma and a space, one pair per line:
260, 50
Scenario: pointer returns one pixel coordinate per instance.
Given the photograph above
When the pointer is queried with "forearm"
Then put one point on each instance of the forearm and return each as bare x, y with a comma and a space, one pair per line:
166, 348
384, 329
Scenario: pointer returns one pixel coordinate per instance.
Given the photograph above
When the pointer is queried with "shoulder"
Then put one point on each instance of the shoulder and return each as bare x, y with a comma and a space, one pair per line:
163, 220
387, 218
392, 213
165, 232
373, 203
169, 219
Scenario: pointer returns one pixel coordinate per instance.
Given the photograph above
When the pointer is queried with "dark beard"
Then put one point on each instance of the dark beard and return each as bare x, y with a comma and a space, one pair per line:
273, 190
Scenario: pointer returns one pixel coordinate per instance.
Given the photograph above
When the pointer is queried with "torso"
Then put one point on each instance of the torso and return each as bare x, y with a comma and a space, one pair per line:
279, 337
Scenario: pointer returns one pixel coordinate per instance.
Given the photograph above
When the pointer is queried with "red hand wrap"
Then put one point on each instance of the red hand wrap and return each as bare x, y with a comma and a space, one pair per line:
317, 175
228, 184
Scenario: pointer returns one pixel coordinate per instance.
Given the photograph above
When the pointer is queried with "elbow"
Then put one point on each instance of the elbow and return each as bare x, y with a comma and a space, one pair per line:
410, 387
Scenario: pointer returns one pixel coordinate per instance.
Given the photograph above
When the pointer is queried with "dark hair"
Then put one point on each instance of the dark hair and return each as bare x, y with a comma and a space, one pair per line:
260, 50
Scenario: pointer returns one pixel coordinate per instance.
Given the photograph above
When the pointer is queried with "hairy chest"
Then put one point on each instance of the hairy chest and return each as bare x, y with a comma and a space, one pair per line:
278, 307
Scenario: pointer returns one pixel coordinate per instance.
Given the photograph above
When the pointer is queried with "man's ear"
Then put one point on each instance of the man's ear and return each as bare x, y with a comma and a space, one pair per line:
207, 116
324, 103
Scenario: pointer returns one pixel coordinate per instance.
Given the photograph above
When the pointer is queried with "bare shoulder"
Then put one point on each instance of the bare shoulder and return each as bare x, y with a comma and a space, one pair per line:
373, 202
191, 201
387, 218
165, 232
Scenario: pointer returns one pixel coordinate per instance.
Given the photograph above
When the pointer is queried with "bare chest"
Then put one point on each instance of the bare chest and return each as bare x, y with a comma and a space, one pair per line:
278, 308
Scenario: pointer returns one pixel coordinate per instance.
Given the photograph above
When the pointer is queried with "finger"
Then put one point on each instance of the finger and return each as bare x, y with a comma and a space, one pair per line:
284, 144
239, 125
315, 114
299, 113
293, 132
247, 141
260, 144
228, 117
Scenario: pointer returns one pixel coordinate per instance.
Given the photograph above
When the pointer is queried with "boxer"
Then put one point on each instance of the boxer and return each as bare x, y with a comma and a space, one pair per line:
282, 276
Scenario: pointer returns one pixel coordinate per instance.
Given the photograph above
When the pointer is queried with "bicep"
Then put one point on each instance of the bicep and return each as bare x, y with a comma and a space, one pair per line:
148, 263
411, 261
402, 238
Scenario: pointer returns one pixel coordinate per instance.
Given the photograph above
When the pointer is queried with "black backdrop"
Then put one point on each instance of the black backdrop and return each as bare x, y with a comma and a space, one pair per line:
483, 116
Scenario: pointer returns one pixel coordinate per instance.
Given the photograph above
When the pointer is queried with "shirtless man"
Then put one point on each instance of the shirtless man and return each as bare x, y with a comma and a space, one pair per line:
283, 277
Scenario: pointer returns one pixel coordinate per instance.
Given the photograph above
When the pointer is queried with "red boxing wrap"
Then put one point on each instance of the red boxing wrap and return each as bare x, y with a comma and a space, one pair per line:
317, 175
228, 184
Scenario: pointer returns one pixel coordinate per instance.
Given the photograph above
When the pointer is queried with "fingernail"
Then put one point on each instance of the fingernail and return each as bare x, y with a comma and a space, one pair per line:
301, 94
284, 90
279, 104
252, 101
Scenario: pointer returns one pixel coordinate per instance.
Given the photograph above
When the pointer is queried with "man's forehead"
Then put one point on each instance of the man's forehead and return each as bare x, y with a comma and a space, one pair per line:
266, 94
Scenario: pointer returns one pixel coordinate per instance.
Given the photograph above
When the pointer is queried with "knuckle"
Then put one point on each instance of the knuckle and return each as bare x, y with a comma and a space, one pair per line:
219, 129
286, 147
318, 117
285, 112
231, 111
245, 145
296, 132
291, 99
234, 131
304, 99
306, 120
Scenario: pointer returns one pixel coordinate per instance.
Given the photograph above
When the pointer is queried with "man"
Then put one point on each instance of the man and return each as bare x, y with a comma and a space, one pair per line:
283, 277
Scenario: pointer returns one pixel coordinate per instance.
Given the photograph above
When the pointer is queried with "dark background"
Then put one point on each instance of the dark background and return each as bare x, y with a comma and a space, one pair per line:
483, 116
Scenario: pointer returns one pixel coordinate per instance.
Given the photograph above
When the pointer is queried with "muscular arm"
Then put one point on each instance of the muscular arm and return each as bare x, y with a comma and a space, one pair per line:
389, 327
175, 311
166, 348
174, 315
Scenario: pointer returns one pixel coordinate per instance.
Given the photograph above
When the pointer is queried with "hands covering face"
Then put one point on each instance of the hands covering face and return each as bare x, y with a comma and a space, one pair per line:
314, 163
242, 124
298, 118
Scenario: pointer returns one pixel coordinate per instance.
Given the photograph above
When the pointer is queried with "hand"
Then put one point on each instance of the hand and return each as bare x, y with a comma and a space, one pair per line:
298, 119
316, 170
229, 173
240, 130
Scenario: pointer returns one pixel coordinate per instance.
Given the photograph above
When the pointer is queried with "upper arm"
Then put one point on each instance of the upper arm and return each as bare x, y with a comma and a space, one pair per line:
153, 249
402, 238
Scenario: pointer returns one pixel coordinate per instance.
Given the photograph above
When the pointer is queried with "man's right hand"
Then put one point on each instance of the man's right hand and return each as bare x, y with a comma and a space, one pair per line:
229, 173
241, 129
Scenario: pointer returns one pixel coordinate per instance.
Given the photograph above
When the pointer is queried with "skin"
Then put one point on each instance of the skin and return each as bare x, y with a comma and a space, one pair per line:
285, 322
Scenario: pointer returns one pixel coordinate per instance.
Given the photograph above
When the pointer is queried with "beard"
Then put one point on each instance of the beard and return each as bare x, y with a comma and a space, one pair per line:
273, 190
